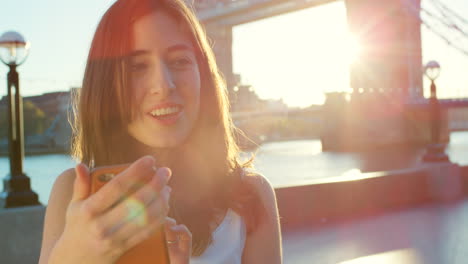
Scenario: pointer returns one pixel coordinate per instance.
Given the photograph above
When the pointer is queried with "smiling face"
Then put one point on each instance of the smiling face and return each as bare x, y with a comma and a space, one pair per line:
165, 82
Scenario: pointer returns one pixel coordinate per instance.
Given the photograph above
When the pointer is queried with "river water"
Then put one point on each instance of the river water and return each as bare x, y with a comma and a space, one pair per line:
283, 163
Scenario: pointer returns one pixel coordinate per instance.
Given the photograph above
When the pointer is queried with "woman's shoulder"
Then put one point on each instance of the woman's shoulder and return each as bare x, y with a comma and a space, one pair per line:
60, 196
66, 178
262, 186
263, 242
67, 175
63, 185
54, 220
257, 180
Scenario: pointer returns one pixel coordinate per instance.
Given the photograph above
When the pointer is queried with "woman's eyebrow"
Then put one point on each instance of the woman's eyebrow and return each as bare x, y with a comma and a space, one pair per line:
173, 48
136, 53
179, 47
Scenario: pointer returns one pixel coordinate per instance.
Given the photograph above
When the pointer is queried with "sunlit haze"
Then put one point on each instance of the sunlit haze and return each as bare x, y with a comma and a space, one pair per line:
296, 56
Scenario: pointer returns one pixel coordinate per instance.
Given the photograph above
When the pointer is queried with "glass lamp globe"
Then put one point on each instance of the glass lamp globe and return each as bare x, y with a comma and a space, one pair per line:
432, 70
13, 48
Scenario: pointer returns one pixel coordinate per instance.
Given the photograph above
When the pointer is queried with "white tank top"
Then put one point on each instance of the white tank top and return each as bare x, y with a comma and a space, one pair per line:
228, 242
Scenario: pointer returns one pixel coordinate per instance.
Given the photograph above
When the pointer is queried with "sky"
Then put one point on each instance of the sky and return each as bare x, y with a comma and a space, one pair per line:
60, 34
295, 56
298, 67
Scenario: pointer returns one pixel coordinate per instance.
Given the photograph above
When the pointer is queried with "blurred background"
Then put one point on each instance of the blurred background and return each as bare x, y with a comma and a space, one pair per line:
325, 91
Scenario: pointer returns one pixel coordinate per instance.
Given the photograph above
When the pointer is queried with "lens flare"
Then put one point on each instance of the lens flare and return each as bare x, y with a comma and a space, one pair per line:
353, 48
136, 212
401, 256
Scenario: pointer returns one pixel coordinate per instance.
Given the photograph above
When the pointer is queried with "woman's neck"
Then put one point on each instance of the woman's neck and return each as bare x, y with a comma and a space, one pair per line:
160, 154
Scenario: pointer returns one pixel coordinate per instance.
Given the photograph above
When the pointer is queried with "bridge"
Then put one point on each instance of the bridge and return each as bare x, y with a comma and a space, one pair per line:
230, 13
391, 61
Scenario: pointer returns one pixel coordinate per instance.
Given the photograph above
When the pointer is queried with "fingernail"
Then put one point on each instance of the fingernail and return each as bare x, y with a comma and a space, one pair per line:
165, 174
169, 174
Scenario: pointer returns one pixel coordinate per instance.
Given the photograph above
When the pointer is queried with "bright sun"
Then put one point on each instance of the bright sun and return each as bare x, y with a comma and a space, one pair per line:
354, 48
298, 57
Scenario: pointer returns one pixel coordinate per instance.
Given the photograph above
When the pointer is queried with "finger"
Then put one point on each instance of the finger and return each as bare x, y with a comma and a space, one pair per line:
133, 216
134, 208
165, 173
82, 184
170, 222
182, 232
143, 234
184, 237
139, 173
170, 235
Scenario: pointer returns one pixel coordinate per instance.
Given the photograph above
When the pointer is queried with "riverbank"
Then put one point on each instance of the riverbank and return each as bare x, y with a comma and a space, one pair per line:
284, 163
37, 152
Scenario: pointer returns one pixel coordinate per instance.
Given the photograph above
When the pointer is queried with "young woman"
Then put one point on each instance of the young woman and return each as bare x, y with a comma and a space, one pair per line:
152, 96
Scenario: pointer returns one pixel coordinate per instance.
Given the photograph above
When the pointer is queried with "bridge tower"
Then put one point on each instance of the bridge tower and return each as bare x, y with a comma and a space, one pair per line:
390, 61
221, 39
386, 81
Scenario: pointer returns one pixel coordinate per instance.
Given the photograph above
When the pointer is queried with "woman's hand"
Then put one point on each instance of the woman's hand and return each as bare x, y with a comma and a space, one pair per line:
179, 242
127, 210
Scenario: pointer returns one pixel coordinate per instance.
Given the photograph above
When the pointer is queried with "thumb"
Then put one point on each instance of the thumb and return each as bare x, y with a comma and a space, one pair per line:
82, 185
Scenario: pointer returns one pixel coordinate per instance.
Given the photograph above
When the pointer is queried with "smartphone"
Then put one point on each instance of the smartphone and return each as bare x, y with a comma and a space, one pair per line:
151, 251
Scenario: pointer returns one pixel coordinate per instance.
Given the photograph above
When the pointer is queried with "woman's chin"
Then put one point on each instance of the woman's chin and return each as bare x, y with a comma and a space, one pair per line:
163, 144
145, 146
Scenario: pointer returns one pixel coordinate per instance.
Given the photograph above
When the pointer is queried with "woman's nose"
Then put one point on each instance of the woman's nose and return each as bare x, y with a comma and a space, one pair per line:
164, 83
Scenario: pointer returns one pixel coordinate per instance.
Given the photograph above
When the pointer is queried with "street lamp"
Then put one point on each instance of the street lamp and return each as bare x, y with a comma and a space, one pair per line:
435, 150
16, 186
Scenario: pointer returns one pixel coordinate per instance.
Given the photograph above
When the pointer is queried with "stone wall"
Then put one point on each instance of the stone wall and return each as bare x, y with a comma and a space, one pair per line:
21, 234
322, 203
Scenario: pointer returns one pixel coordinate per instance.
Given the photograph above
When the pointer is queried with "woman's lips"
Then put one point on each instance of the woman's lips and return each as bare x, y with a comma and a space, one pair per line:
167, 114
167, 119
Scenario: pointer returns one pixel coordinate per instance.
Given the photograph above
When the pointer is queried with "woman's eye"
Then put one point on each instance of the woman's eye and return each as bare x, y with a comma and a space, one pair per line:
139, 66
181, 63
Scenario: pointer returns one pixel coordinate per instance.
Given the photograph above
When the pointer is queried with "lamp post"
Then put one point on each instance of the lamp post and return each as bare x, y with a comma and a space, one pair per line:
435, 151
16, 186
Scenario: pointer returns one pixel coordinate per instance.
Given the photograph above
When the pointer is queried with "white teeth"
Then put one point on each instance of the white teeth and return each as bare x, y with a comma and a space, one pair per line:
164, 111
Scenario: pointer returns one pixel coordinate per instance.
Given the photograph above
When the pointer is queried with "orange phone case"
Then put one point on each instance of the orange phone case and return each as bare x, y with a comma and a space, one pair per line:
151, 251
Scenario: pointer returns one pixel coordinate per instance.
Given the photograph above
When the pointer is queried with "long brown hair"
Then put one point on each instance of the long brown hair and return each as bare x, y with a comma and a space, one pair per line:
207, 174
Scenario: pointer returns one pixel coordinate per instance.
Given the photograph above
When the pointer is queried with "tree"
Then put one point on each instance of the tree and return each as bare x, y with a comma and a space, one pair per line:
35, 121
